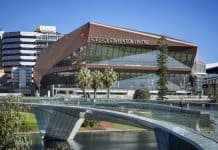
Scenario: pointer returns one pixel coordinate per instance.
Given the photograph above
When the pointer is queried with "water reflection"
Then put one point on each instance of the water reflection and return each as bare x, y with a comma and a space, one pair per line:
104, 140
57, 145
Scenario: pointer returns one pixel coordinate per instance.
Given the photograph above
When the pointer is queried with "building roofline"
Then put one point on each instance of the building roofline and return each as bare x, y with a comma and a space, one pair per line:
212, 65
144, 33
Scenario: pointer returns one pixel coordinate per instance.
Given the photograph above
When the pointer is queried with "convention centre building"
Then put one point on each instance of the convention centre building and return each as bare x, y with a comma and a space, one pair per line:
132, 54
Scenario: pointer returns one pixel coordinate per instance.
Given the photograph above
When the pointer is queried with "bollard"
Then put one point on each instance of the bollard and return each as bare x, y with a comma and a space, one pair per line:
187, 105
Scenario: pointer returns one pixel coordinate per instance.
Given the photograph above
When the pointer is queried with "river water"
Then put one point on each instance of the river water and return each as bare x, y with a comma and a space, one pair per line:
128, 140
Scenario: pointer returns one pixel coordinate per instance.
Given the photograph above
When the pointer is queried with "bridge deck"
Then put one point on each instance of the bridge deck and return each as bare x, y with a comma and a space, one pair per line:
190, 136
193, 135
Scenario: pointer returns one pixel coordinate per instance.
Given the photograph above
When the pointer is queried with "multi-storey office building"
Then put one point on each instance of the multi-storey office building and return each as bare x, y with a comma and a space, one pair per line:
1, 36
132, 54
210, 82
2, 74
19, 53
199, 73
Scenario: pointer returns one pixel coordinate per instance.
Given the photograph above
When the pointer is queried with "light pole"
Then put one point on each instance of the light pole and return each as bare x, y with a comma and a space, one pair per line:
39, 89
152, 84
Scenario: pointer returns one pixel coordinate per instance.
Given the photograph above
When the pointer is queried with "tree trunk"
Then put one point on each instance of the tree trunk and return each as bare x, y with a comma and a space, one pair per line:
84, 93
95, 93
108, 92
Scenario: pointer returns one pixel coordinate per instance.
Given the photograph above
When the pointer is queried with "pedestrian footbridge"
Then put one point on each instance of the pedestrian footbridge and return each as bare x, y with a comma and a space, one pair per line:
62, 121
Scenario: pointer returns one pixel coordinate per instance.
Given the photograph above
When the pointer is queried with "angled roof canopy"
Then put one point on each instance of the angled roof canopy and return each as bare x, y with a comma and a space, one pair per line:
84, 34
212, 65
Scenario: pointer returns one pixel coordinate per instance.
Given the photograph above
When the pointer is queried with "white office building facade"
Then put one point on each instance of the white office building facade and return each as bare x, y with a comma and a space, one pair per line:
19, 54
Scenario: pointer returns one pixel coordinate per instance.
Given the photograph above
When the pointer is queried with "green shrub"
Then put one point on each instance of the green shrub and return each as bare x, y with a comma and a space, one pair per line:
89, 123
142, 94
214, 98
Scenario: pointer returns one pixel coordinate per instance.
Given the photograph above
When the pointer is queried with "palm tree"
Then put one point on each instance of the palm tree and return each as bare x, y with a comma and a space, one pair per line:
109, 77
84, 79
96, 81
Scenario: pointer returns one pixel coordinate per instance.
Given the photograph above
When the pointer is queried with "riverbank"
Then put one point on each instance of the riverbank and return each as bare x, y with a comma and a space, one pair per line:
30, 126
91, 131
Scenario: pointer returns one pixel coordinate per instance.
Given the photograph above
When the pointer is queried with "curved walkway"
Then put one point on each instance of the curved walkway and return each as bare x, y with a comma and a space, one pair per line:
198, 141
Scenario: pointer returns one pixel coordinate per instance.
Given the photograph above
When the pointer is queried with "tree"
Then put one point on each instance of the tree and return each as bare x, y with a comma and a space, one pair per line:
96, 83
214, 96
84, 79
11, 122
142, 94
162, 71
109, 77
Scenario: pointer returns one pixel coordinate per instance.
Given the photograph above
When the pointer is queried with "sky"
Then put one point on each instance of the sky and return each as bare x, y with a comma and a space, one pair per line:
195, 21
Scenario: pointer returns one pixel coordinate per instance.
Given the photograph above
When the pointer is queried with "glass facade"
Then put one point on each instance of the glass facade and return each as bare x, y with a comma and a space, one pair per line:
131, 56
123, 55
149, 80
22, 77
199, 68
102, 54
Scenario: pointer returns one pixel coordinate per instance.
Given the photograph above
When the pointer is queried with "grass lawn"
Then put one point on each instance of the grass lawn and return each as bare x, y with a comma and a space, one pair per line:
113, 126
122, 126
30, 122
83, 129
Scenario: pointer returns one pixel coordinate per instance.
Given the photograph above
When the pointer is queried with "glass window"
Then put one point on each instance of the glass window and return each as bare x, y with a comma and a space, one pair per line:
183, 57
177, 56
110, 50
98, 50
115, 52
